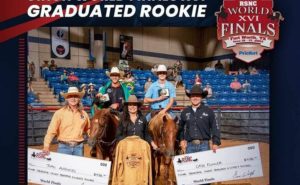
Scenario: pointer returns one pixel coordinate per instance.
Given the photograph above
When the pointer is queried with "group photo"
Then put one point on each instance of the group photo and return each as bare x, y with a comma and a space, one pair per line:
144, 106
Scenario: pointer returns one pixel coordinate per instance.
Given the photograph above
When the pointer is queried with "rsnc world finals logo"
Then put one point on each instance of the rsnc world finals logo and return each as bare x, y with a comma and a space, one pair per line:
248, 27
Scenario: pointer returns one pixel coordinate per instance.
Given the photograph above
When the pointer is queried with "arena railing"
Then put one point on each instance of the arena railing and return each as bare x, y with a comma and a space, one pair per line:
249, 123
176, 108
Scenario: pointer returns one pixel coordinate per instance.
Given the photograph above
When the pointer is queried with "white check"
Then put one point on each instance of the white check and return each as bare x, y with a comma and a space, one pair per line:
231, 163
60, 169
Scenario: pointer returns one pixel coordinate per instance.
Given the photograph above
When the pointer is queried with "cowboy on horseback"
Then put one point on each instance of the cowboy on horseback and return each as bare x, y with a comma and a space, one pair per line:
161, 94
112, 94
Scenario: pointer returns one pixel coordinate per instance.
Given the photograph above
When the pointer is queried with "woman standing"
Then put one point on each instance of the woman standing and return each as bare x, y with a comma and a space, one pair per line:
133, 122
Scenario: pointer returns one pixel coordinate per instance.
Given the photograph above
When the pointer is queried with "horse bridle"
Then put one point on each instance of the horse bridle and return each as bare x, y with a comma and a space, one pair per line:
166, 152
100, 141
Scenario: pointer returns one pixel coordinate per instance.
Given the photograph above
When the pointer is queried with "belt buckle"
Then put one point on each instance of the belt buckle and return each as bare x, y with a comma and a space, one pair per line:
196, 142
73, 143
69, 143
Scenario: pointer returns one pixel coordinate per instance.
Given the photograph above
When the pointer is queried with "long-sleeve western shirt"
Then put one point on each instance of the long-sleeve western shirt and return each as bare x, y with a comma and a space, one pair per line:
67, 126
199, 125
139, 128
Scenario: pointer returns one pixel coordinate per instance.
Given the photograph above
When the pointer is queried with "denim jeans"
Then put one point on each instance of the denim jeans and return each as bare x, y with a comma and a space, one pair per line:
192, 148
65, 149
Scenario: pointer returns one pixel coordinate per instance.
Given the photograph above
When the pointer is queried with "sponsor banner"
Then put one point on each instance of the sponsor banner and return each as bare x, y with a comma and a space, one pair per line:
248, 27
60, 42
92, 45
231, 163
63, 169
126, 48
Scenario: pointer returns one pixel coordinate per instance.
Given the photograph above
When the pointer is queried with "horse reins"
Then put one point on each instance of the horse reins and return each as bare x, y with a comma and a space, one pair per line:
166, 152
101, 141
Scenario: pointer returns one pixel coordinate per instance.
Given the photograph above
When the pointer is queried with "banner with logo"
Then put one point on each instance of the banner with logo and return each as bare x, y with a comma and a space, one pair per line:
126, 48
92, 45
60, 42
248, 27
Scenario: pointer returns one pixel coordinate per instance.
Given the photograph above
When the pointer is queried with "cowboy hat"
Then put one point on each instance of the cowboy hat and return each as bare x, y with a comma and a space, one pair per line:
161, 68
72, 91
91, 84
114, 70
197, 90
82, 85
133, 100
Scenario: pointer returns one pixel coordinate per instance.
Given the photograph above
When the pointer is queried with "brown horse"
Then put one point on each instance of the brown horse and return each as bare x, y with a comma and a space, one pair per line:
163, 131
104, 126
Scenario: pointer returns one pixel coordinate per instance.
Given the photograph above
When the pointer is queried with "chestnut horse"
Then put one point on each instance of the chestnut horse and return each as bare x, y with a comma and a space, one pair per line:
163, 130
104, 126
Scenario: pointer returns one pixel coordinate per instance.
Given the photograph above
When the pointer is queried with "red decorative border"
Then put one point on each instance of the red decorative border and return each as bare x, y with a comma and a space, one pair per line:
22, 112
16, 30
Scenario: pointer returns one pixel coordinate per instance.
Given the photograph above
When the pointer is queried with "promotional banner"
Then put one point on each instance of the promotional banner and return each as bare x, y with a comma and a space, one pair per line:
60, 42
248, 27
232, 163
92, 45
63, 169
126, 48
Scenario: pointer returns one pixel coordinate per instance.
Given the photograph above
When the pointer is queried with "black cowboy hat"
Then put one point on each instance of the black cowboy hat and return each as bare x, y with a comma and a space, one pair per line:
197, 90
133, 100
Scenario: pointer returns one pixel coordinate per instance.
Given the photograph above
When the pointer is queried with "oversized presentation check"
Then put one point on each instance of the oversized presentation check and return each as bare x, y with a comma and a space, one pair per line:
231, 163
62, 169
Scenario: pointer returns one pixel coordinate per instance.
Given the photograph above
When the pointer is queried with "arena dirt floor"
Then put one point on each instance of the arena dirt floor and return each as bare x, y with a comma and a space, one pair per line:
264, 151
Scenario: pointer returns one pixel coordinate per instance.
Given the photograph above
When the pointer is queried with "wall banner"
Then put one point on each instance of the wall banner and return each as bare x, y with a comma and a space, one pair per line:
60, 42
126, 48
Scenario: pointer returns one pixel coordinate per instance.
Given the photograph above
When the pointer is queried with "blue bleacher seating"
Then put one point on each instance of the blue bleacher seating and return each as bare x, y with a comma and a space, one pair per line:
222, 94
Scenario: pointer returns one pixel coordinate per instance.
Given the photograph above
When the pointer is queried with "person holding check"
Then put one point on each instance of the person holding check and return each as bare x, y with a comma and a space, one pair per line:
198, 124
161, 94
69, 125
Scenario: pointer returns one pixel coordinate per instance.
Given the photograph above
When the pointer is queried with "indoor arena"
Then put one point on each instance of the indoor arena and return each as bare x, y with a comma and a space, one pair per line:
84, 60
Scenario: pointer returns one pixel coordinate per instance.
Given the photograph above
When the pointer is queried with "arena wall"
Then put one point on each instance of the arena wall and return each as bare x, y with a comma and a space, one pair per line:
152, 45
39, 49
194, 43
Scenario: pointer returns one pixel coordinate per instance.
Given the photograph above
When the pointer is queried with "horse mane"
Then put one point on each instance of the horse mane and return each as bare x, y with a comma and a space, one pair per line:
105, 136
156, 123
104, 112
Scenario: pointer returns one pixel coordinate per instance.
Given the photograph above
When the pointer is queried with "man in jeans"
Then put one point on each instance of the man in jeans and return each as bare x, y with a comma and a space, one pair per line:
69, 124
198, 124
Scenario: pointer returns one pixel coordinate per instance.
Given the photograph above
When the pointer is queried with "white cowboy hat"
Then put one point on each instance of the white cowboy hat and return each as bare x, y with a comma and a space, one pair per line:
114, 70
72, 91
161, 68
82, 85
90, 84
